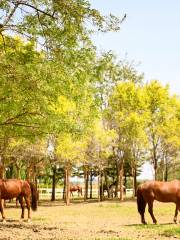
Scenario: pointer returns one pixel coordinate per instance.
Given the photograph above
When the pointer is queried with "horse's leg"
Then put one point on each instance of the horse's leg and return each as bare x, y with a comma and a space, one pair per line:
18, 198
27, 200
176, 212
142, 214
22, 206
2, 210
150, 209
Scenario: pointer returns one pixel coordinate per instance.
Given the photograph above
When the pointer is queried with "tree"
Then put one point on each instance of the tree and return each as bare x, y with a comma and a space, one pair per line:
69, 151
127, 116
157, 98
169, 140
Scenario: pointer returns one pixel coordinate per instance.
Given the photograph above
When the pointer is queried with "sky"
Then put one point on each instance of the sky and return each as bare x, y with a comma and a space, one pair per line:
150, 36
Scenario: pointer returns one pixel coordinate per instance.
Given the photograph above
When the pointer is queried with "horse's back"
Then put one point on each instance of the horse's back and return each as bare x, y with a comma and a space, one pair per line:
161, 191
12, 188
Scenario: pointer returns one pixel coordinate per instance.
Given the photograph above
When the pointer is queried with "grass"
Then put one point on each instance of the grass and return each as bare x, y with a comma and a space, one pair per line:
175, 232
109, 220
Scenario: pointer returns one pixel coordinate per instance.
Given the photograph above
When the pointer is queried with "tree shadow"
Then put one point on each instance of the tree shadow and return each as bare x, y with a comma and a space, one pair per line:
15, 224
81, 201
149, 225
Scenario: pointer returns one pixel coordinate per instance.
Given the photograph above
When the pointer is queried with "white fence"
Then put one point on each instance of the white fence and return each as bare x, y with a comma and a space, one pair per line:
45, 193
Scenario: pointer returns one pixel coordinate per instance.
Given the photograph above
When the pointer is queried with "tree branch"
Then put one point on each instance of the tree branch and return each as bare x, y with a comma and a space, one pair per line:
11, 14
10, 120
35, 8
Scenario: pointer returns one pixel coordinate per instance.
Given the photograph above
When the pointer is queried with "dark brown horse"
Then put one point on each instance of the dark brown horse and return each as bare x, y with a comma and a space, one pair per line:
74, 188
13, 188
160, 191
112, 190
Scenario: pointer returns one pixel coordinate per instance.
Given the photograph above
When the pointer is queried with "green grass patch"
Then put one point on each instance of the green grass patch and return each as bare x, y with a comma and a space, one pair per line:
39, 219
149, 226
172, 232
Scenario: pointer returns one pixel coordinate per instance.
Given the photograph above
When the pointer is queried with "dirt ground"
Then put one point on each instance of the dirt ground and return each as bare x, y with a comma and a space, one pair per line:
90, 220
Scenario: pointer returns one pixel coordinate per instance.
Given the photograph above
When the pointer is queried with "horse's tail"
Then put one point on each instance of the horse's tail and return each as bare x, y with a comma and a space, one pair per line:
141, 203
34, 196
81, 190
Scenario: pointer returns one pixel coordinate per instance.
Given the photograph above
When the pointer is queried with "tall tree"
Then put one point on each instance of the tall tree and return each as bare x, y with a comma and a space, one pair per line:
127, 116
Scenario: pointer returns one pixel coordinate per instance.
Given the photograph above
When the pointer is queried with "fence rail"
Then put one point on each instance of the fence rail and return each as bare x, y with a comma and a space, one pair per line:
45, 193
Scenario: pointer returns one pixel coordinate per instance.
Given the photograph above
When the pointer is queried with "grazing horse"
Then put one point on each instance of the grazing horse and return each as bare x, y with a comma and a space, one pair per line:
112, 190
14, 188
74, 188
160, 191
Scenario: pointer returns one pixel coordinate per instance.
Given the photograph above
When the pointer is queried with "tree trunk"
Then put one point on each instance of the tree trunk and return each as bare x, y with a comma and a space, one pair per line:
166, 169
2, 168
64, 187
86, 181
117, 178
134, 179
125, 180
107, 182
99, 180
155, 170
28, 173
67, 185
11, 172
34, 175
91, 180
101, 186
53, 196
155, 159
121, 180
17, 166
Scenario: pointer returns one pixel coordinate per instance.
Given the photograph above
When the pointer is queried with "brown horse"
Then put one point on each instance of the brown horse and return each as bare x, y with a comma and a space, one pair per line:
160, 191
74, 188
13, 188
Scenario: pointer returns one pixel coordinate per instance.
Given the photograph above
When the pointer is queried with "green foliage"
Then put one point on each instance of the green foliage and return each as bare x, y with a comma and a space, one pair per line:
54, 24
128, 117
22, 108
163, 126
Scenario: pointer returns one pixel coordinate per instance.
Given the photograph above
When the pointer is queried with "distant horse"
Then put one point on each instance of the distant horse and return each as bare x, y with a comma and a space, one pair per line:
112, 190
13, 188
160, 191
74, 188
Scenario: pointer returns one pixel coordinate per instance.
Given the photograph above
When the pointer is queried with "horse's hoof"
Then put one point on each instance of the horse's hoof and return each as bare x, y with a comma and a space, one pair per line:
4, 221
29, 220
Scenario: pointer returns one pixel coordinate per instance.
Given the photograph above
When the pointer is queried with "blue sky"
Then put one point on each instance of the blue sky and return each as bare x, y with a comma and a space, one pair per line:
149, 36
